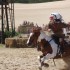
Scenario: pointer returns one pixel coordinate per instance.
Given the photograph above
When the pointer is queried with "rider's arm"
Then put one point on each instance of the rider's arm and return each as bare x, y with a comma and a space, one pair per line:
65, 25
49, 28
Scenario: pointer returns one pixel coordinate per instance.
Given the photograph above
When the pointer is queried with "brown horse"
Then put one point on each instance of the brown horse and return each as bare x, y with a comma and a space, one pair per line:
46, 44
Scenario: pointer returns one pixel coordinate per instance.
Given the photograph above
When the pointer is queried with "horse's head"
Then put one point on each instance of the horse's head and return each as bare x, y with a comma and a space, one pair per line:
33, 36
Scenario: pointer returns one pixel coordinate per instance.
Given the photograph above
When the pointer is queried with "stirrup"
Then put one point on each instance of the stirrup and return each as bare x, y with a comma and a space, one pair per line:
59, 52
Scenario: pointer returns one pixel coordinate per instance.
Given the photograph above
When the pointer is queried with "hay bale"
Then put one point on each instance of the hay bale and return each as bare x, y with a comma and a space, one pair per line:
10, 42
16, 42
21, 43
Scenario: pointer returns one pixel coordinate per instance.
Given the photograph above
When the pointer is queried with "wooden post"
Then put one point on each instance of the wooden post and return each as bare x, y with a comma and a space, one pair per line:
13, 20
6, 11
2, 11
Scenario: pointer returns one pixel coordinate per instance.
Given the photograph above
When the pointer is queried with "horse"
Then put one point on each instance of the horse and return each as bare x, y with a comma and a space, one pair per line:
45, 44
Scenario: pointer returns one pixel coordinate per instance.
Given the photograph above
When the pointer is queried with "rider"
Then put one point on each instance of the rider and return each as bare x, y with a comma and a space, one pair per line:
55, 25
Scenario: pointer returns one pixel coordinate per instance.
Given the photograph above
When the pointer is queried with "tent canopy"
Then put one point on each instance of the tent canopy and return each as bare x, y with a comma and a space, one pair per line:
4, 2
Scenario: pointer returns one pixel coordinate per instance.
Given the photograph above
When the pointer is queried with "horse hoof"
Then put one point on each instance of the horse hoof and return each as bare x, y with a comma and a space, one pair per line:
45, 65
40, 68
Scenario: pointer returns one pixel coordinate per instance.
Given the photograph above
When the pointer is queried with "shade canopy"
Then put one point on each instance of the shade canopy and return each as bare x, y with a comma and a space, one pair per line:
4, 2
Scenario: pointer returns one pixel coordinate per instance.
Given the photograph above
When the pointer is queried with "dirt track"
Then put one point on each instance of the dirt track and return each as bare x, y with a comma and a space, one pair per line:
26, 59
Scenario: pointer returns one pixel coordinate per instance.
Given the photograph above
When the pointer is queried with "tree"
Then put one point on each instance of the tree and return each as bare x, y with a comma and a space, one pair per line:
34, 1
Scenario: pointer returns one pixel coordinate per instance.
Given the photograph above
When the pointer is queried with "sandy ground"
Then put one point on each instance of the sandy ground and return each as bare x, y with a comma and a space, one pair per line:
26, 59
39, 13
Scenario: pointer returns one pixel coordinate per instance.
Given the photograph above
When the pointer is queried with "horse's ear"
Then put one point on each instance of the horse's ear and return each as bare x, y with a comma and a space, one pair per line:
39, 28
36, 29
33, 29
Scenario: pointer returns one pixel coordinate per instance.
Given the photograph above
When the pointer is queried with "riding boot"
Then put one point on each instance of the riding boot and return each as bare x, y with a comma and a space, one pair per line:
60, 50
61, 43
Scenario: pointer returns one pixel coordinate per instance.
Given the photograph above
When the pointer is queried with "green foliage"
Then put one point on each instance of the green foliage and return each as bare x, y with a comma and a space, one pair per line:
10, 34
16, 33
33, 1
7, 34
1, 45
21, 1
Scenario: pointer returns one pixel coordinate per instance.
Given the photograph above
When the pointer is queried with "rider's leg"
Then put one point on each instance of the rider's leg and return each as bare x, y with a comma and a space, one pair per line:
55, 38
61, 45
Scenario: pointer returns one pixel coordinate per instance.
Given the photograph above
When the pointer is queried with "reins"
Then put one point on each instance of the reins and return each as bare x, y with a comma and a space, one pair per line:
50, 40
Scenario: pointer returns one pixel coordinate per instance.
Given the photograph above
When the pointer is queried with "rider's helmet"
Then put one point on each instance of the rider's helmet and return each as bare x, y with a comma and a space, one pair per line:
56, 16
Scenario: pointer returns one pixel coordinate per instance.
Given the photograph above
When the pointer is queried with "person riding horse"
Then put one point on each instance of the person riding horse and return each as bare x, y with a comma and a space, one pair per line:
56, 25
47, 45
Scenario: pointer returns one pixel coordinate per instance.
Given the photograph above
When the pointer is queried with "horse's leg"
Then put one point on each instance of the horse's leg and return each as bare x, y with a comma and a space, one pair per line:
41, 61
39, 58
48, 56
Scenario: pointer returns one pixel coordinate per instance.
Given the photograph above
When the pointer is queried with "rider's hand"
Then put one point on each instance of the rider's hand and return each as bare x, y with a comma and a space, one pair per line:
49, 30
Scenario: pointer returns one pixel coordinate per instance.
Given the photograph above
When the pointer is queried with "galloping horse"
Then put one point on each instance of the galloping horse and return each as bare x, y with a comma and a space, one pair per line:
46, 44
